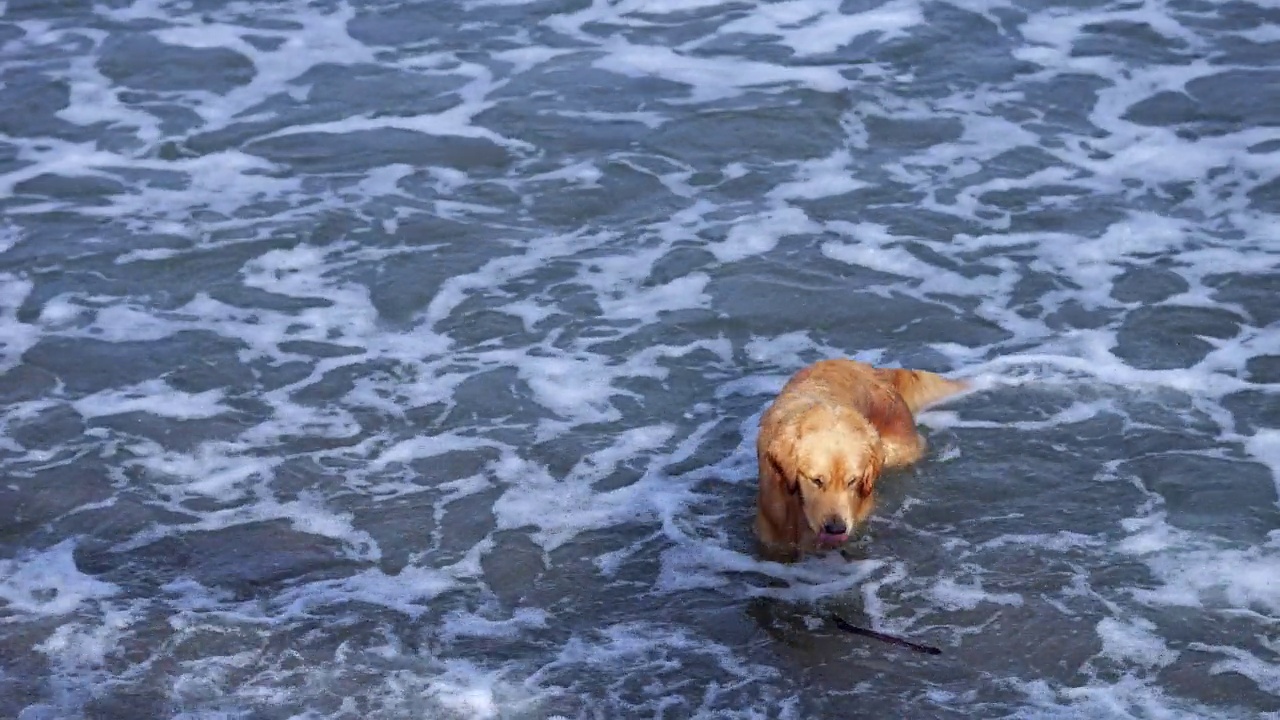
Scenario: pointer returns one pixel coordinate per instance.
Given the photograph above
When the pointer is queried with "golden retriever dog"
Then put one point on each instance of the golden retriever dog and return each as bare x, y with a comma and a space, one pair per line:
823, 443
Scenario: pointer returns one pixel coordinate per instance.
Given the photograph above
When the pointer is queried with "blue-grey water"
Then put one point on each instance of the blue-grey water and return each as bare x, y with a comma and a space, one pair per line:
403, 359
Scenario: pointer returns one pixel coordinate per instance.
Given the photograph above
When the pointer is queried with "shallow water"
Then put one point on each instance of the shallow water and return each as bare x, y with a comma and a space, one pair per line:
403, 360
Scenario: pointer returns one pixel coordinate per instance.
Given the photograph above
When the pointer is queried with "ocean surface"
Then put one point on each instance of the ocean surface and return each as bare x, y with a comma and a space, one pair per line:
389, 359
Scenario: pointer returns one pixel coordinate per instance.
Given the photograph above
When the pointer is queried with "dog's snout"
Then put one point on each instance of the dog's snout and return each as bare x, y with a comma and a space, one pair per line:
835, 526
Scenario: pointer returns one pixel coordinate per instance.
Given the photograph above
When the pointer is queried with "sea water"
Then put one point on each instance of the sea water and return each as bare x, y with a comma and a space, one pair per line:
403, 359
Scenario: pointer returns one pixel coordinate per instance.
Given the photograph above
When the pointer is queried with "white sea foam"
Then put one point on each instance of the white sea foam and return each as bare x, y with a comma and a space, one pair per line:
48, 582
580, 507
825, 177
322, 38
468, 625
214, 470
1216, 578
1127, 697
1261, 670
472, 691
17, 336
762, 233
711, 78
1059, 541
650, 649
155, 397
406, 592
1265, 446
1134, 641
954, 595
75, 647
814, 27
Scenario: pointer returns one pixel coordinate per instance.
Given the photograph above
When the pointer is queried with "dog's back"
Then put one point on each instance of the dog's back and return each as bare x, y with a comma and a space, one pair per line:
850, 381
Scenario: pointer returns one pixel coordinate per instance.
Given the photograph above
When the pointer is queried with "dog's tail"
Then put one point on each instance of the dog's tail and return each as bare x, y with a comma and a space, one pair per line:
921, 388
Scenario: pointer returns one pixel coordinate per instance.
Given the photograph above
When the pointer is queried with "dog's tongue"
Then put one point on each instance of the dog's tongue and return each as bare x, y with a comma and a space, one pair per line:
830, 539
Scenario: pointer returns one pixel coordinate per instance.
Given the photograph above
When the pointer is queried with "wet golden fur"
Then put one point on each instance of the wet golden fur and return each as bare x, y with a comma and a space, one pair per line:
824, 441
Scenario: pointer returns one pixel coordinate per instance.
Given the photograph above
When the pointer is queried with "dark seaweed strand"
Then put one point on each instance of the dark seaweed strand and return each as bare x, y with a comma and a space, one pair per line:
891, 639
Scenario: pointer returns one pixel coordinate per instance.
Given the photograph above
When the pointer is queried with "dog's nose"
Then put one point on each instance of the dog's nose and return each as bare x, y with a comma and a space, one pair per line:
835, 527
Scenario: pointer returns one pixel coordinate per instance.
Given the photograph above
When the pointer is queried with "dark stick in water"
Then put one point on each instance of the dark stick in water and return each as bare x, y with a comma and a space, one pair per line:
892, 640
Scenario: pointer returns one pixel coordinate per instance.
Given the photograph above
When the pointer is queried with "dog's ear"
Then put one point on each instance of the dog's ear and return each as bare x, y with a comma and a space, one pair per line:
787, 479
866, 484
780, 454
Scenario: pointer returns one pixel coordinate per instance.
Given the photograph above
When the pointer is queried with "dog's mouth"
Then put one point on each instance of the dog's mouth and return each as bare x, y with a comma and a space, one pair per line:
832, 539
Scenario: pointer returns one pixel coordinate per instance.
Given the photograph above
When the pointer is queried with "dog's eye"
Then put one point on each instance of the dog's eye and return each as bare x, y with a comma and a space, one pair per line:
817, 481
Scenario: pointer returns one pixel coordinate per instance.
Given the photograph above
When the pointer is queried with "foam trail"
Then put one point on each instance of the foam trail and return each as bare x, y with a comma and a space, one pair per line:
47, 582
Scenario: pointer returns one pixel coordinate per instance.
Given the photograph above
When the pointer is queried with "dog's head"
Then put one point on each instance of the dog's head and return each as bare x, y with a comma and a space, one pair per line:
829, 458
